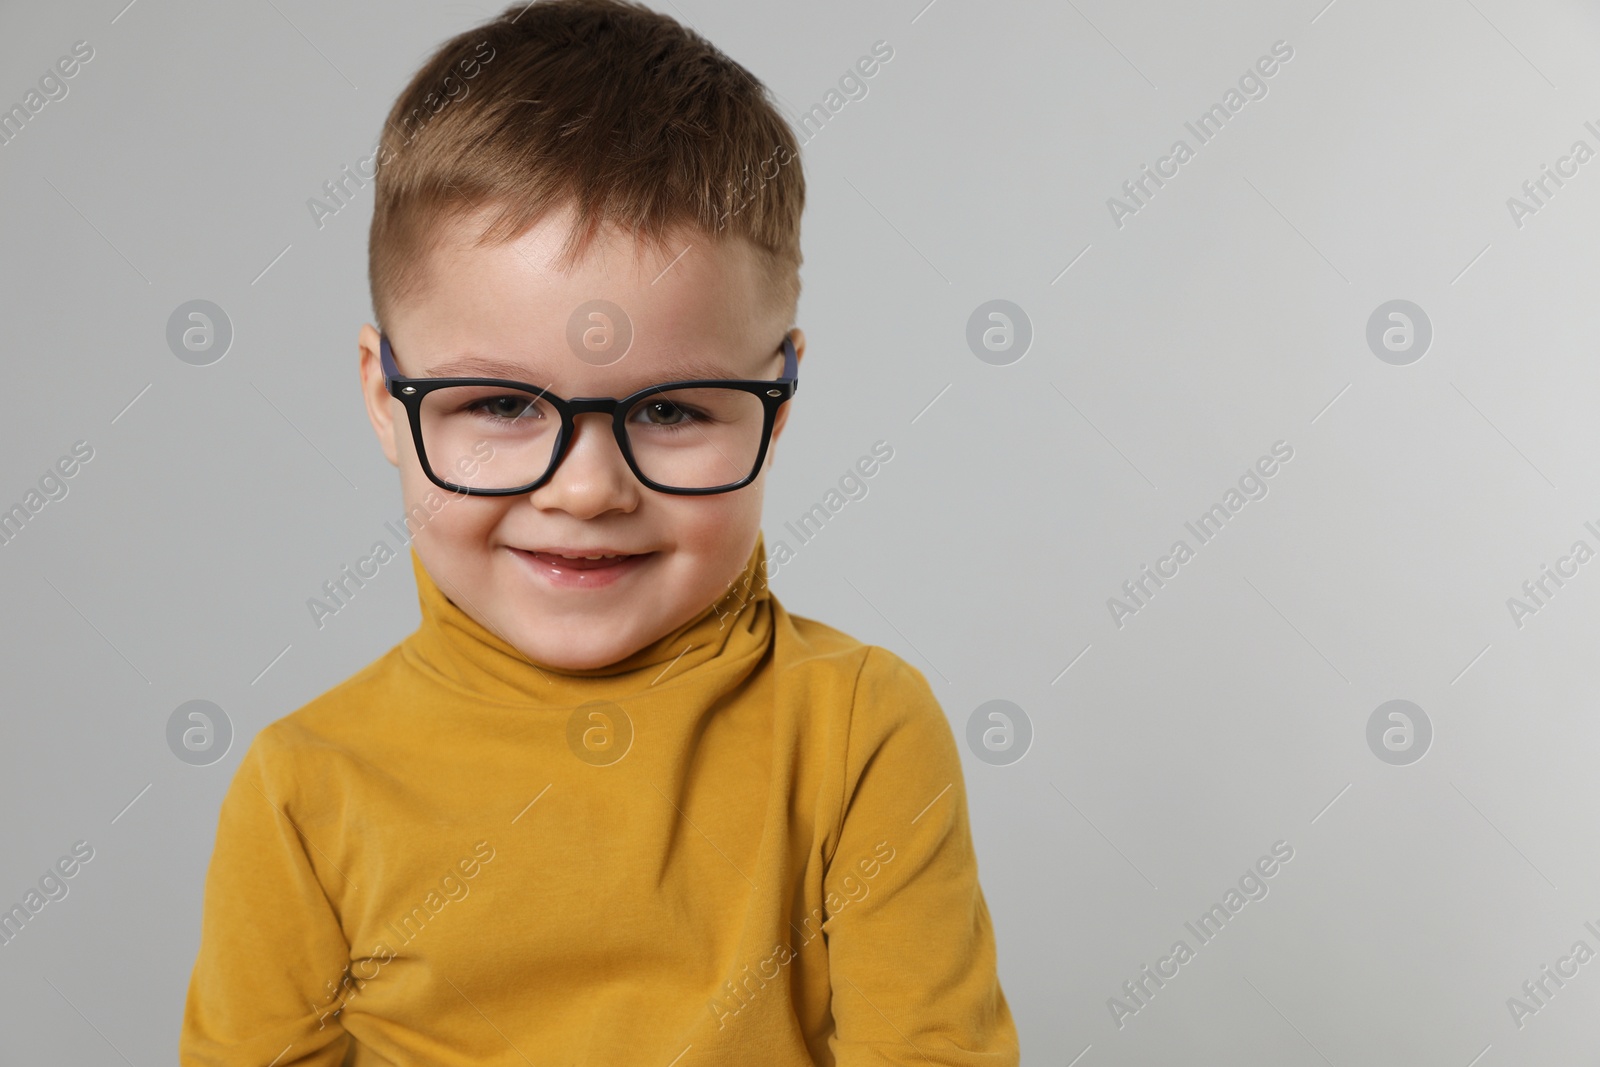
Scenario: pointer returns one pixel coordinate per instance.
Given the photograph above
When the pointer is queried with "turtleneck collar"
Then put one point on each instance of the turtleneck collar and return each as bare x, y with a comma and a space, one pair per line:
468, 656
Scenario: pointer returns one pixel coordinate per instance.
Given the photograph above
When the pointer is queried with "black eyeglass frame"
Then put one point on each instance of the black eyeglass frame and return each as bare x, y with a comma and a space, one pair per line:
773, 393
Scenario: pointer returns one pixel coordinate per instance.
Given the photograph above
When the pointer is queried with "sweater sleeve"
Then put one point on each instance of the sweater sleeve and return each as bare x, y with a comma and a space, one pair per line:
911, 951
271, 946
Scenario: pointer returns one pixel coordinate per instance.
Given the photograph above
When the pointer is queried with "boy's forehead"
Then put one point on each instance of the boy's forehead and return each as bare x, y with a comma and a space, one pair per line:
544, 365
676, 266
515, 310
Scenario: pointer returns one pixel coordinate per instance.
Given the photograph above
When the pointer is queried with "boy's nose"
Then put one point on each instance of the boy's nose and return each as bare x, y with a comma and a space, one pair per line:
593, 475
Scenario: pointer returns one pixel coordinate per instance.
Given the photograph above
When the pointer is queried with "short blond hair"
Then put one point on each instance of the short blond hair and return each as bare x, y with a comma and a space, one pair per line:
607, 105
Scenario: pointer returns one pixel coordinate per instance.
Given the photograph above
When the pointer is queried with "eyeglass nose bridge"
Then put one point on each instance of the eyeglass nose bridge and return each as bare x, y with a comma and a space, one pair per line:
596, 405
586, 405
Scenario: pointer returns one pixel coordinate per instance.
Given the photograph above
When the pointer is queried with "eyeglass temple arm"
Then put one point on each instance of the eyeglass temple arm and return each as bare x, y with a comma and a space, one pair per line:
791, 363
391, 370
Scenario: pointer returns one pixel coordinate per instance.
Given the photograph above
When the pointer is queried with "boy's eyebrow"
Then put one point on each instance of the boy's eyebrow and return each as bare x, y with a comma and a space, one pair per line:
485, 367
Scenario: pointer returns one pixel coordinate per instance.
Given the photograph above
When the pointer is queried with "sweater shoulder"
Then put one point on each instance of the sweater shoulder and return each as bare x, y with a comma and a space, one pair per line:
883, 685
339, 717
804, 642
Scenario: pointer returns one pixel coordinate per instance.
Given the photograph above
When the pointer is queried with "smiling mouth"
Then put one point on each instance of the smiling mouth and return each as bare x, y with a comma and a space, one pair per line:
582, 561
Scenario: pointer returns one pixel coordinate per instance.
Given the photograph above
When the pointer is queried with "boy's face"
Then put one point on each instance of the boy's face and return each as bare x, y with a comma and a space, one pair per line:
511, 303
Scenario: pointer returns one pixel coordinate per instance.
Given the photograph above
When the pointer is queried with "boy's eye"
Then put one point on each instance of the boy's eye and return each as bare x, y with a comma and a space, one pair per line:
505, 407
667, 413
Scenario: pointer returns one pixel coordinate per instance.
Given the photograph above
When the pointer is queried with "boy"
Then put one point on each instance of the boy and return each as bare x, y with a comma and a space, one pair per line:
610, 803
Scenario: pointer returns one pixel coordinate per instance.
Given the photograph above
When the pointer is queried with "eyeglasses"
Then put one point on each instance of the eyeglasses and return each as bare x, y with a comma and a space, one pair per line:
496, 437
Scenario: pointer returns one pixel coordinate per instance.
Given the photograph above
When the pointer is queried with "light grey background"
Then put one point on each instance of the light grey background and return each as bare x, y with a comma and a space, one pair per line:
1229, 313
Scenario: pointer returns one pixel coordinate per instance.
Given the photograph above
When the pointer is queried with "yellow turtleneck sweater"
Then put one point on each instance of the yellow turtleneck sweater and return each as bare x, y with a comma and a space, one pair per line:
746, 843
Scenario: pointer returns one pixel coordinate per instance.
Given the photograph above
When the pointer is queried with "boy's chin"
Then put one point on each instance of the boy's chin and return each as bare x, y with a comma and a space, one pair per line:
578, 655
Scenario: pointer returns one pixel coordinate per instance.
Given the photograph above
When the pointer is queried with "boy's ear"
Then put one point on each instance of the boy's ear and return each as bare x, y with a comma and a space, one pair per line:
381, 407
798, 337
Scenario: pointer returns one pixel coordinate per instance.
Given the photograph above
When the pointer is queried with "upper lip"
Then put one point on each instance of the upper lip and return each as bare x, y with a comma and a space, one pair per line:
574, 551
